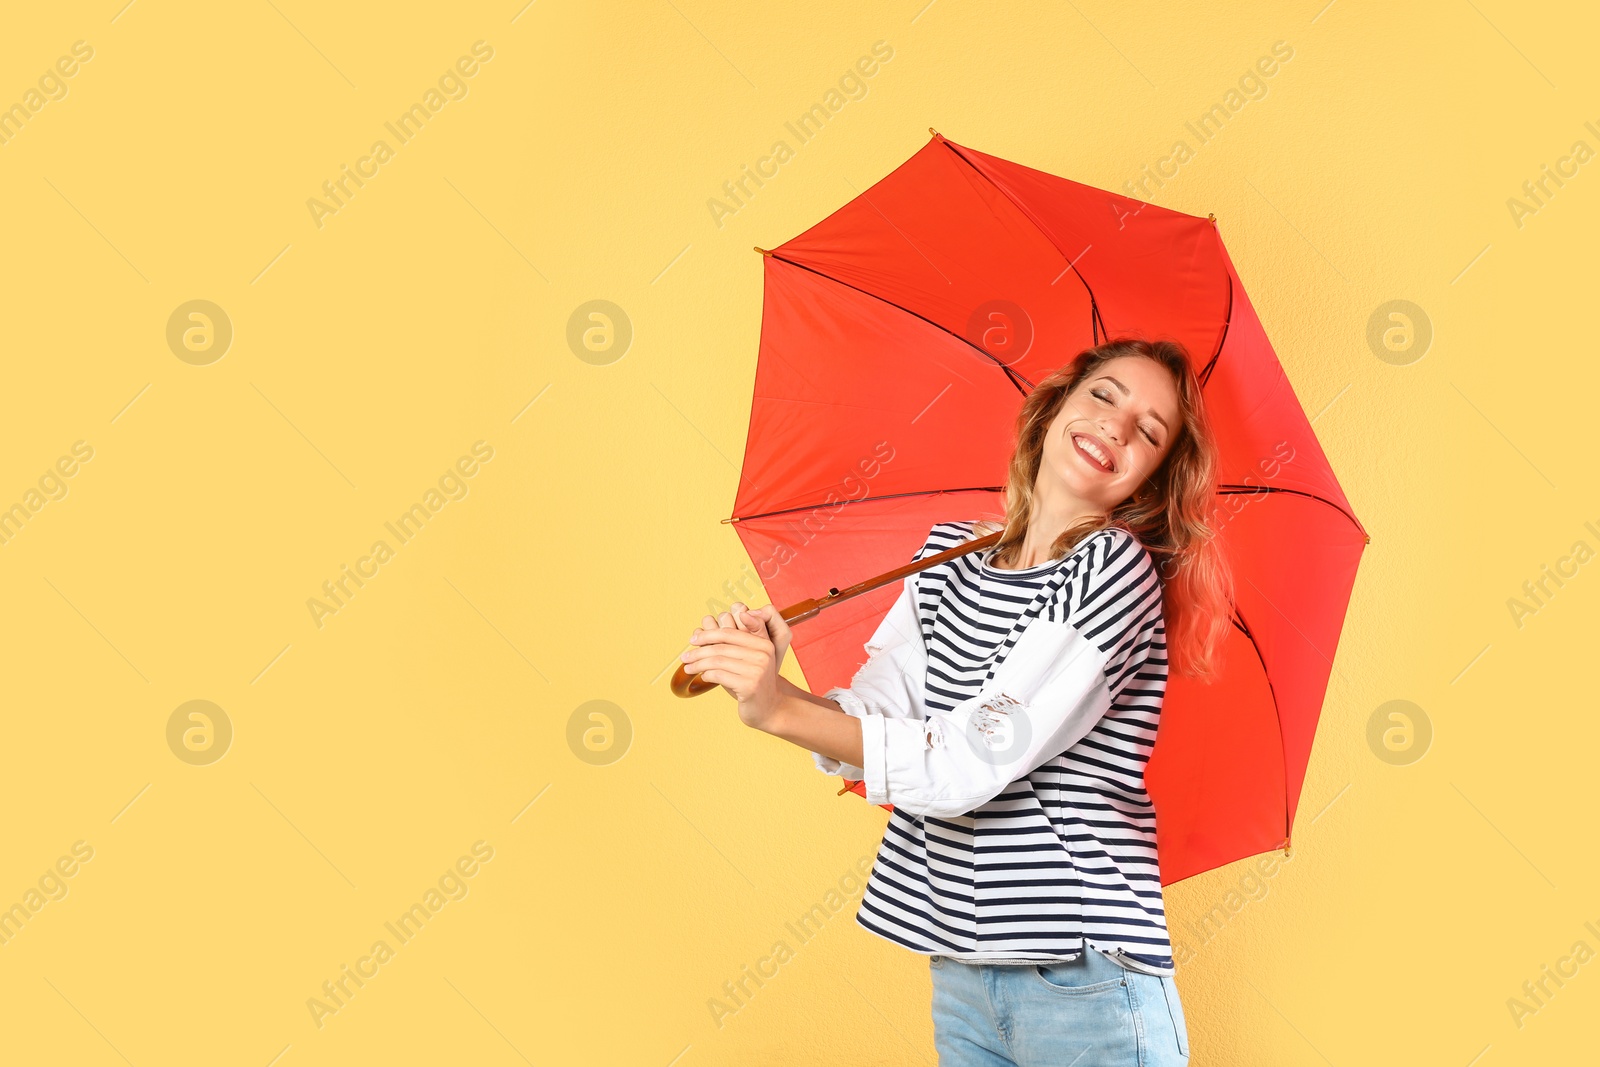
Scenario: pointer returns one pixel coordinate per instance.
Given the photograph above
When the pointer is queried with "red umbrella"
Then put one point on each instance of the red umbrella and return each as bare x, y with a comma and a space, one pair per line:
899, 336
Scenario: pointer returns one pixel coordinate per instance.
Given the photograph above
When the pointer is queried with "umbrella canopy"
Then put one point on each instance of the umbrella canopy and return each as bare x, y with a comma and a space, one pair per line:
899, 337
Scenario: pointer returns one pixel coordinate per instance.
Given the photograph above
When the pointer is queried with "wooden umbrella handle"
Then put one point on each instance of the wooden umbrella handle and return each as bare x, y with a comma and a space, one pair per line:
685, 684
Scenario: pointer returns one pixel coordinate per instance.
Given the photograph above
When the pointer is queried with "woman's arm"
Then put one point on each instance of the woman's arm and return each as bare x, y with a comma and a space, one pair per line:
813, 723
786, 686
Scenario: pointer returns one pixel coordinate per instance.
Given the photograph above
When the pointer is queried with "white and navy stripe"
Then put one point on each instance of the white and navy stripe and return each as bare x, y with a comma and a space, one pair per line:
1067, 852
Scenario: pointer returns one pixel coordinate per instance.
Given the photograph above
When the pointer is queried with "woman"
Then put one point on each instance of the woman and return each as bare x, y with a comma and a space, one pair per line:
1007, 709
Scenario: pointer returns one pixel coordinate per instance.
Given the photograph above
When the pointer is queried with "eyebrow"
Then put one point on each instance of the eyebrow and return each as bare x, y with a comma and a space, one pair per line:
1125, 391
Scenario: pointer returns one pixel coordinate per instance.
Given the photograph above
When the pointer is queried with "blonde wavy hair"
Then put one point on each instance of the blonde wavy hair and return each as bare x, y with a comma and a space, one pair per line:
1167, 513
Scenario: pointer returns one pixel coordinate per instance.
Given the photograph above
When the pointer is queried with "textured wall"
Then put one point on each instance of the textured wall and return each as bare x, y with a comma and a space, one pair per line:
191, 875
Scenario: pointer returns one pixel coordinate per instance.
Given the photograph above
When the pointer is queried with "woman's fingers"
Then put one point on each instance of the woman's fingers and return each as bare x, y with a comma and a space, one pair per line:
721, 660
738, 673
731, 641
776, 625
740, 617
751, 625
730, 631
753, 621
734, 655
725, 620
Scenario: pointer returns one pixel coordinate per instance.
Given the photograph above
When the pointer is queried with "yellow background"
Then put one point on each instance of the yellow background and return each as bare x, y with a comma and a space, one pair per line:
432, 710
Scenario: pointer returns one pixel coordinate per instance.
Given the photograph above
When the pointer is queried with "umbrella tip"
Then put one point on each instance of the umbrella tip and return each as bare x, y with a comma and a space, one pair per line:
763, 251
1212, 216
933, 131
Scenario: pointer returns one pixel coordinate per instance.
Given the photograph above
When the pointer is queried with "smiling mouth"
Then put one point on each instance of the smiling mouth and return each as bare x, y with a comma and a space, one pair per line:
1091, 450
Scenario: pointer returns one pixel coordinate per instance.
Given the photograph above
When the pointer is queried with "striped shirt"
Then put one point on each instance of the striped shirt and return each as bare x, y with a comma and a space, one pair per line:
1065, 853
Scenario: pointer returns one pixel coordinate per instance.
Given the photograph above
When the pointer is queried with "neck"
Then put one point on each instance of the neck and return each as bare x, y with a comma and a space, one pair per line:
1054, 509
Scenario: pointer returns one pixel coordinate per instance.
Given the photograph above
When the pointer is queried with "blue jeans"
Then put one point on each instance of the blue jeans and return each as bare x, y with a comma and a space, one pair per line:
1091, 1012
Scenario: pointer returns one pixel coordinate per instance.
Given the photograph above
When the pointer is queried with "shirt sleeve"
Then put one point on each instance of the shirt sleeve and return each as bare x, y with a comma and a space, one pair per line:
1103, 619
880, 686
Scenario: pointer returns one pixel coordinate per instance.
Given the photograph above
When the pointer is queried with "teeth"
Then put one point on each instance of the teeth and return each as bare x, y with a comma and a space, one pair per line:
1089, 447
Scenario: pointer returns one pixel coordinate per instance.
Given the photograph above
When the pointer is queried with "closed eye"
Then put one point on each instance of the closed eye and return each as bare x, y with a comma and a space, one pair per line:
1106, 398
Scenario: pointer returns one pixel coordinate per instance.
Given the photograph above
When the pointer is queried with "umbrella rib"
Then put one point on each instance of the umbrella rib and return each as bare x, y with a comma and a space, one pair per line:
1094, 305
1227, 320
1231, 489
1097, 324
1283, 749
1024, 386
866, 499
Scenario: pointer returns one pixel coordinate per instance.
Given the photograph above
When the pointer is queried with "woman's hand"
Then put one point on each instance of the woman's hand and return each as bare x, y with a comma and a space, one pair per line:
741, 650
771, 623
777, 629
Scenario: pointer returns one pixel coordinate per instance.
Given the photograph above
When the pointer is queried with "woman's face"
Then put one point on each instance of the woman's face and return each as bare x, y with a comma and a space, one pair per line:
1126, 410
